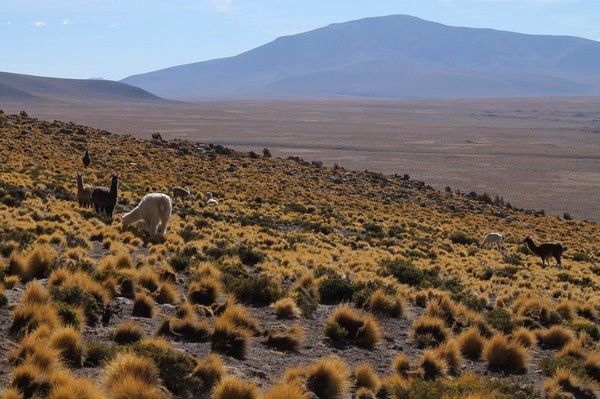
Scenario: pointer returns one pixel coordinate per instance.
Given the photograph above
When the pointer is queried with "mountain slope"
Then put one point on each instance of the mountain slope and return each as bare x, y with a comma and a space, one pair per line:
17, 87
393, 56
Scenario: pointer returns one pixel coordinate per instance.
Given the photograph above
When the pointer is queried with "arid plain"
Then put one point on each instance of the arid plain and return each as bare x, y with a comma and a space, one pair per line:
536, 153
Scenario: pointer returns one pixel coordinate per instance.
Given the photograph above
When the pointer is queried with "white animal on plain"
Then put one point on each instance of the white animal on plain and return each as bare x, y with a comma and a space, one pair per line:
492, 240
211, 200
154, 210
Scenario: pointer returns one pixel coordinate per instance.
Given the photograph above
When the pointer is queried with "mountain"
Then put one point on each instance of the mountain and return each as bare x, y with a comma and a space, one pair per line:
393, 56
26, 88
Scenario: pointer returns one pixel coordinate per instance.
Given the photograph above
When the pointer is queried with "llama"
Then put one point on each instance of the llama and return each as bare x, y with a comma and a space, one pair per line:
105, 200
546, 250
181, 192
86, 159
84, 192
154, 209
492, 240
211, 200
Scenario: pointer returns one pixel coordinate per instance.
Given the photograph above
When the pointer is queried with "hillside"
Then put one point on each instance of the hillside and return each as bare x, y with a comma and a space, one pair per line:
430, 313
26, 88
395, 56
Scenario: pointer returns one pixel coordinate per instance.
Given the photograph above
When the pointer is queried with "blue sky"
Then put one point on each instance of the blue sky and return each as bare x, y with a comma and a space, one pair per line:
116, 38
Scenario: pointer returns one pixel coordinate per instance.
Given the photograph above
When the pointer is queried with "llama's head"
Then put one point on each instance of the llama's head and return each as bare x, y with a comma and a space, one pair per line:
124, 222
527, 240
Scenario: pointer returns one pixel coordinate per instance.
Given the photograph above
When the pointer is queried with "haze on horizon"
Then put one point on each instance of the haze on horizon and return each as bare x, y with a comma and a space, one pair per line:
114, 39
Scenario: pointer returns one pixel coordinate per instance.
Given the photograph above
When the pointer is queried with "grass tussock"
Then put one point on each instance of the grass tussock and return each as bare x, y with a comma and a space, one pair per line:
347, 323
432, 365
328, 378
524, 337
231, 387
383, 304
555, 337
286, 308
471, 343
143, 305
401, 364
205, 291
503, 355
289, 340
285, 391
28, 317
69, 343
429, 331
210, 369
128, 368
128, 332
366, 377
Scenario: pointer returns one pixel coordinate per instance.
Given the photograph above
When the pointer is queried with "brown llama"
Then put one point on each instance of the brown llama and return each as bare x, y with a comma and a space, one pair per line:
546, 250
181, 192
84, 192
104, 199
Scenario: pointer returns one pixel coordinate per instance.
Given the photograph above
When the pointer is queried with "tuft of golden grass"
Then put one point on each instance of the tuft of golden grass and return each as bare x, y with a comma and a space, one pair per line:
502, 355
205, 291
524, 337
328, 377
366, 377
28, 317
286, 308
68, 342
386, 305
471, 343
128, 332
285, 391
287, 341
130, 367
167, 293
35, 294
565, 384
429, 331
231, 387
143, 305
210, 369
347, 322
555, 337
401, 364
432, 365
450, 352
591, 364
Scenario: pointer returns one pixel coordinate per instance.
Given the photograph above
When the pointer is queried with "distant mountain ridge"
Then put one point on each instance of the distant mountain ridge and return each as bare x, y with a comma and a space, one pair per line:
395, 56
27, 88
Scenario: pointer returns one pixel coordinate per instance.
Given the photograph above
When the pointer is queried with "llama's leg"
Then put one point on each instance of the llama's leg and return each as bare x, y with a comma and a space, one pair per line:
558, 263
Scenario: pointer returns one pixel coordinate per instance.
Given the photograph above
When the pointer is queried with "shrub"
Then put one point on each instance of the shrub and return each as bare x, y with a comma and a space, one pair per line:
401, 365
258, 290
387, 305
241, 318
366, 377
471, 342
432, 365
286, 308
27, 379
68, 342
210, 370
404, 271
97, 353
565, 384
70, 315
556, 337
501, 320
361, 329
394, 386
501, 355
460, 237
174, 367
231, 387
250, 257
429, 331
143, 305
128, 332
39, 263
285, 391
539, 311
288, 341
204, 292
335, 289
328, 378
524, 337
148, 278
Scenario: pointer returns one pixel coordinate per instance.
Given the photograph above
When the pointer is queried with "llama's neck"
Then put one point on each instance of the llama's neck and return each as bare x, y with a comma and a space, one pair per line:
114, 186
79, 183
532, 246
132, 216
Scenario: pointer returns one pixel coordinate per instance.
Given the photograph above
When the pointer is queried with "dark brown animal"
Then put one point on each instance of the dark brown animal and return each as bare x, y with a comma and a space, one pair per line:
545, 250
105, 200
84, 192
86, 159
